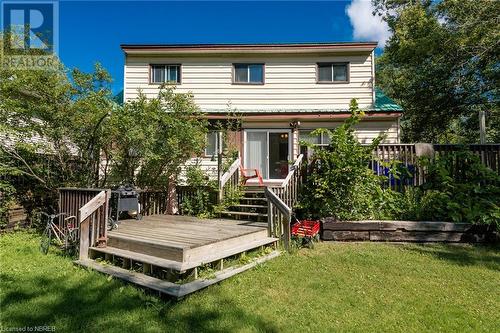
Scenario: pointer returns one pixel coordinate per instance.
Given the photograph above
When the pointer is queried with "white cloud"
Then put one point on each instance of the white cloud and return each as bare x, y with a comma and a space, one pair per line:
365, 25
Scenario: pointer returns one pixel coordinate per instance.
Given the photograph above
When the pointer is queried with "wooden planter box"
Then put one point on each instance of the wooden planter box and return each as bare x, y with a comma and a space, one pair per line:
16, 217
405, 231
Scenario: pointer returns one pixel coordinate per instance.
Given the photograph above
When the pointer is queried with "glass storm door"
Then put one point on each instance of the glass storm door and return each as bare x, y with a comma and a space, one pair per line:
269, 152
278, 155
256, 152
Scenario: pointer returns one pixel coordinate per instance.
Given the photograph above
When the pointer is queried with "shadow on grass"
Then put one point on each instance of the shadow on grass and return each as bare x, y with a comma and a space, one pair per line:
94, 304
463, 255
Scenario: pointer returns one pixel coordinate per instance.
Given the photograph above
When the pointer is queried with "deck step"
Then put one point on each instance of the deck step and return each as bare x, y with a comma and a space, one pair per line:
144, 258
253, 191
145, 245
140, 279
170, 288
227, 252
227, 212
183, 266
253, 199
249, 206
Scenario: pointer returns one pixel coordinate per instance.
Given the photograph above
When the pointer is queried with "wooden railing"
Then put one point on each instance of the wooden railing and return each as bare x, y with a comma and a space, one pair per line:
280, 202
92, 218
153, 202
72, 199
408, 154
288, 190
488, 153
279, 217
230, 180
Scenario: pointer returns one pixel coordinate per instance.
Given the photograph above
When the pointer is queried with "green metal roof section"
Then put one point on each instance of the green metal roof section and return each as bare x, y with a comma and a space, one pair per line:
384, 103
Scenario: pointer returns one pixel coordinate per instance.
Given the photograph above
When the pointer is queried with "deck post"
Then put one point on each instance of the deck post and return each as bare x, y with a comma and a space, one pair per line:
84, 240
146, 268
219, 166
219, 265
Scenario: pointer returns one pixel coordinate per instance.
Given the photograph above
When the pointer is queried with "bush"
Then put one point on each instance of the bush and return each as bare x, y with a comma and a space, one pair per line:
340, 183
200, 200
469, 194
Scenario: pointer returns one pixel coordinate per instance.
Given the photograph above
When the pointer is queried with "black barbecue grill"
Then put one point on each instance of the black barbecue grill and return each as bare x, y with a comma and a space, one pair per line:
127, 201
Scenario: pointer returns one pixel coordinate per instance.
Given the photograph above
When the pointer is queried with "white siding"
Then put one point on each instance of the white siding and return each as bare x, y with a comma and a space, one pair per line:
206, 164
365, 131
290, 82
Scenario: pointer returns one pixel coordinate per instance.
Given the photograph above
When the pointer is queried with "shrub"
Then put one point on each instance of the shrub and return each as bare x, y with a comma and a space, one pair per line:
469, 194
201, 190
340, 183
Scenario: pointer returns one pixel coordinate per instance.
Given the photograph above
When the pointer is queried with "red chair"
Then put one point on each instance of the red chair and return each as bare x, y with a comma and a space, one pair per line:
246, 176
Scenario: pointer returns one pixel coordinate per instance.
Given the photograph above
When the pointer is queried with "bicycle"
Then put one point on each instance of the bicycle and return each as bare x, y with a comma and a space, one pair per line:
66, 235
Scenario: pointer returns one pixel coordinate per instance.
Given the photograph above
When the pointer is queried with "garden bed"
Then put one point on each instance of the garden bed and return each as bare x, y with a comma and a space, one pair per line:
405, 231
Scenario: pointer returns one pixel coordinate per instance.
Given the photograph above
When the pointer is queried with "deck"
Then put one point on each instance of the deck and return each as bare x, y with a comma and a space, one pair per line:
170, 247
187, 241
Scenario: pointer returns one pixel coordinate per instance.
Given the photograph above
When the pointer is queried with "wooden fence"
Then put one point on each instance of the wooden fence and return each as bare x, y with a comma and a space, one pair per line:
153, 202
72, 199
189, 192
408, 155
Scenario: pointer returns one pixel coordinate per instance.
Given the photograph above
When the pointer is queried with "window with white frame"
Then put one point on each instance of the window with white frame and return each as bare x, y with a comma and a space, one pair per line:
318, 140
211, 147
166, 74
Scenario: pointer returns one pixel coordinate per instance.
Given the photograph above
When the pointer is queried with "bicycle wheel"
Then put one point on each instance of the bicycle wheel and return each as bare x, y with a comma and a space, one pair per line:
45, 242
112, 225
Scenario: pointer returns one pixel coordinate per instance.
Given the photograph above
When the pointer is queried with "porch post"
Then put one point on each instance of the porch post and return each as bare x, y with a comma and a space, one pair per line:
219, 164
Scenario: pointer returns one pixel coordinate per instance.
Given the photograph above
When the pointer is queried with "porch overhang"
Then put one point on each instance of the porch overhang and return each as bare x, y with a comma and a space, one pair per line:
301, 115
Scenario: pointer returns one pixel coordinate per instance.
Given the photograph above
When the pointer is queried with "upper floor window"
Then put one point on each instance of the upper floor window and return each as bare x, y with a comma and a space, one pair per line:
248, 73
336, 72
166, 74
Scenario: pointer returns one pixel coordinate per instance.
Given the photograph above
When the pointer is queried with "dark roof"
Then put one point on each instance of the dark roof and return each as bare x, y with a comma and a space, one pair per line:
246, 44
250, 46
384, 103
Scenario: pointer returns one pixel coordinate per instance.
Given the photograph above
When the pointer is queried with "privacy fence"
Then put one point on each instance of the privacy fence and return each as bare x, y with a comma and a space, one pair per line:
408, 155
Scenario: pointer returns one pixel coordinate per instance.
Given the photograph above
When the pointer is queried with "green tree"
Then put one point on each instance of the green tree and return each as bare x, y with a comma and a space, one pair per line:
442, 65
340, 182
153, 137
63, 128
48, 129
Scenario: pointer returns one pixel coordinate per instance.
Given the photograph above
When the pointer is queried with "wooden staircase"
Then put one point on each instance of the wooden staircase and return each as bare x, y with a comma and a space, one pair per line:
252, 205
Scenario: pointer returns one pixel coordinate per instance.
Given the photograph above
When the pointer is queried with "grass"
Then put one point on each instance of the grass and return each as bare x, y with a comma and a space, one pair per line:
337, 287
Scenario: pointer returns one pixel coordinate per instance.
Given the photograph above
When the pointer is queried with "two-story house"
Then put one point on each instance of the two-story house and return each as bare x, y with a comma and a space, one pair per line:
282, 92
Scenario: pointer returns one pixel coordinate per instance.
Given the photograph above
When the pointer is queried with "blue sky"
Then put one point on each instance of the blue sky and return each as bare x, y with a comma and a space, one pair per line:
92, 31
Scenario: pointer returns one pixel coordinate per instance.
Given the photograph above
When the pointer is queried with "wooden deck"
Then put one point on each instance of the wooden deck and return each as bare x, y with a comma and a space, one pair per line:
184, 242
170, 247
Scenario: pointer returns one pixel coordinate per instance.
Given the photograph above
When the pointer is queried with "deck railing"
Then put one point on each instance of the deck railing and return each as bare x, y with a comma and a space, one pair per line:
230, 180
280, 202
288, 190
153, 202
279, 217
92, 218
71, 199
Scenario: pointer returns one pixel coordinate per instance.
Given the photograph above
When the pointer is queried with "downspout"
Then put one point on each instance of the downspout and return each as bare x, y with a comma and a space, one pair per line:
373, 77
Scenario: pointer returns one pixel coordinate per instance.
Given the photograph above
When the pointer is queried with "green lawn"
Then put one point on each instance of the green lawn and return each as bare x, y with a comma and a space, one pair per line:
337, 287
